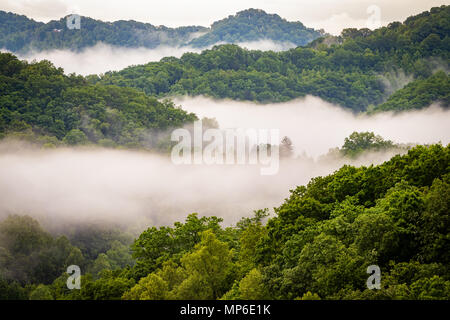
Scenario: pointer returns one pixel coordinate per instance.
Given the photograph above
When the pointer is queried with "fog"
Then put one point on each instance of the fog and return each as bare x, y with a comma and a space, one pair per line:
103, 57
315, 126
139, 189
266, 45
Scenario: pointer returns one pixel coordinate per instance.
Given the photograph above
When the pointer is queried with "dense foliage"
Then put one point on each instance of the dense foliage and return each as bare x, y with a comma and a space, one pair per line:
420, 93
40, 100
359, 142
31, 258
347, 73
317, 246
20, 34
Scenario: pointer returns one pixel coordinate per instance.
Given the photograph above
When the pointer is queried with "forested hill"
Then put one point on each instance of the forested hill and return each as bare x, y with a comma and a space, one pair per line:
420, 93
352, 72
253, 25
40, 103
19, 34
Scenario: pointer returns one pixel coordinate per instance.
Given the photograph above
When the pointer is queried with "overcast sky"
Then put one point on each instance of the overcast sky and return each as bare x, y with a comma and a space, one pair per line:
332, 15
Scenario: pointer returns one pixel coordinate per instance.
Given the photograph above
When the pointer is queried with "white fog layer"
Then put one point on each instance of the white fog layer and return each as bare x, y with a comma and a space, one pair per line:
315, 126
103, 57
138, 189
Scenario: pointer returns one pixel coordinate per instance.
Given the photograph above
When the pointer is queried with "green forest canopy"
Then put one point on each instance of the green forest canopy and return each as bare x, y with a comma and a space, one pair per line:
20, 34
420, 93
38, 99
317, 246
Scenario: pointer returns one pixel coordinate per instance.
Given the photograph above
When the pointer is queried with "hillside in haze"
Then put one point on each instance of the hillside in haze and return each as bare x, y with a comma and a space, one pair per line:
20, 34
356, 72
253, 25
119, 108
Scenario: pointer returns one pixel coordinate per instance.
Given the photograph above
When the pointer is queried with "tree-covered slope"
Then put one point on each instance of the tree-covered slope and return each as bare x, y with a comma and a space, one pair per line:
420, 93
39, 99
253, 25
348, 73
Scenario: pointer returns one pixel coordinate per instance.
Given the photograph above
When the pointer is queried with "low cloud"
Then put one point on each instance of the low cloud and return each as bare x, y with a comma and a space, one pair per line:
102, 57
315, 126
335, 23
137, 189
267, 45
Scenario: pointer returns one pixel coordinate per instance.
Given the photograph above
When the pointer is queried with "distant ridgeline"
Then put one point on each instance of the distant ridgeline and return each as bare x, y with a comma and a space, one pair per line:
253, 25
349, 70
20, 34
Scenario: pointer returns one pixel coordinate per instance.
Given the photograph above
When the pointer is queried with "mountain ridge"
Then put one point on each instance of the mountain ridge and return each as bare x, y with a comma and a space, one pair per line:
348, 73
19, 33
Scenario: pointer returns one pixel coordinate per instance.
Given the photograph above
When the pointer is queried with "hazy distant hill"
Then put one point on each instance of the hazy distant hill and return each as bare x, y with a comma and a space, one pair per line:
253, 25
19, 34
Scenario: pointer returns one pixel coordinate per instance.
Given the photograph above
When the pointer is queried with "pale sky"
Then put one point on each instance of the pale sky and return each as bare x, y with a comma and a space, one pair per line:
331, 15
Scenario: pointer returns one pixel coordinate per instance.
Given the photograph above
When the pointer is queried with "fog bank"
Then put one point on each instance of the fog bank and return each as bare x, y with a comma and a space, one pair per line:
315, 126
138, 189
103, 57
